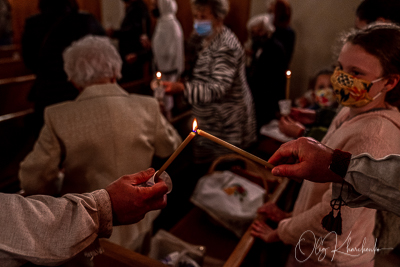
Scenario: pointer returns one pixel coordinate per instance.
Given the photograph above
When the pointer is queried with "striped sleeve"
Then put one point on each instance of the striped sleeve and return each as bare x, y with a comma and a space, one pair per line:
213, 88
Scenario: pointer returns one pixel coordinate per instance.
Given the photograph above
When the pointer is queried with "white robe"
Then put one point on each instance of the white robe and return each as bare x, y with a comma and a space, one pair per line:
167, 40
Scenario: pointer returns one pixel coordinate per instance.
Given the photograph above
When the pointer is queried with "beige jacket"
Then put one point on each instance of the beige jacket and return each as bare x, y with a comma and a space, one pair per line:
104, 134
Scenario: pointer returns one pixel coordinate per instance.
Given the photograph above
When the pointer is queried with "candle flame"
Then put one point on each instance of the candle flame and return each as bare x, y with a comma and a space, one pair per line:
158, 74
194, 125
288, 73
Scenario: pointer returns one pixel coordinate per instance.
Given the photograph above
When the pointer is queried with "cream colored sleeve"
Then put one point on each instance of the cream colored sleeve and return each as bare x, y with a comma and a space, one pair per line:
47, 230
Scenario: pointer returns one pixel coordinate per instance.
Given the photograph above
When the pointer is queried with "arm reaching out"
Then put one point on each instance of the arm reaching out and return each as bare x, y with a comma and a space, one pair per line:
302, 159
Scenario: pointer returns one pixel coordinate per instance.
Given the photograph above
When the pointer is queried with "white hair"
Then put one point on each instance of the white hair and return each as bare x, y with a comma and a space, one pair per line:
91, 59
263, 20
219, 8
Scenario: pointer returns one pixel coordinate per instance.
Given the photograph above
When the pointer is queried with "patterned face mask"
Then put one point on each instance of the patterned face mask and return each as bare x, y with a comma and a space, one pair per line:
325, 97
351, 91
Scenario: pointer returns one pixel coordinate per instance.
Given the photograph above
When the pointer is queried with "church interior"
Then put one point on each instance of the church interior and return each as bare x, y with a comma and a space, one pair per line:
200, 226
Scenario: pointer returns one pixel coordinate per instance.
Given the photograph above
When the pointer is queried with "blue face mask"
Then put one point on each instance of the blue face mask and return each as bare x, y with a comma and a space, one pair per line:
203, 28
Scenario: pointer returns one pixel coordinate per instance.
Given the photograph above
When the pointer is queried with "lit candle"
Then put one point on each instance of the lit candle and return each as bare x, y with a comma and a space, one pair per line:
235, 148
158, 76
177, 151
288, 74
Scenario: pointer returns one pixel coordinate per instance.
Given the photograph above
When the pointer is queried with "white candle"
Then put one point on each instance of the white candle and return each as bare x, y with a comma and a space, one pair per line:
288, 75
177, 151
235, 148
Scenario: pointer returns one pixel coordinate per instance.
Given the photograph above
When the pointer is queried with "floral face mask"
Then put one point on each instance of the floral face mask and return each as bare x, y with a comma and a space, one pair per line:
325, 97
351, 91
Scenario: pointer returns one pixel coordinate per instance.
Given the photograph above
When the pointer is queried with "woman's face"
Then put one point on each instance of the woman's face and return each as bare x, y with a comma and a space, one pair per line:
354, 60
202, 13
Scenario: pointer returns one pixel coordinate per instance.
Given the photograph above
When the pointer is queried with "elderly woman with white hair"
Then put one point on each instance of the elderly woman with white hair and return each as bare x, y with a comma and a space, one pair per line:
104, 133
217, 89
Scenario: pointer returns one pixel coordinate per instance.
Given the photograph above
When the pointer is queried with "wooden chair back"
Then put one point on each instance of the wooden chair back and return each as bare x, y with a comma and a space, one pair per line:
12, 67
14, 94
10, 51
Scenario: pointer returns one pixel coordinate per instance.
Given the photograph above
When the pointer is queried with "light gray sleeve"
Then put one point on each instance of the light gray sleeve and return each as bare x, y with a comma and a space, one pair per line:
48, 231
372, 183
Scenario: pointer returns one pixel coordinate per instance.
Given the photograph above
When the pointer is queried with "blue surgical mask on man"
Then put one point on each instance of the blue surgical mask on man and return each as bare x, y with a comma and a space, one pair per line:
203, 27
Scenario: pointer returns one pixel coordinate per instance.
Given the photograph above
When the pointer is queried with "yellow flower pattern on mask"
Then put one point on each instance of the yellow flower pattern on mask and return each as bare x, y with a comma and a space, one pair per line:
349, 90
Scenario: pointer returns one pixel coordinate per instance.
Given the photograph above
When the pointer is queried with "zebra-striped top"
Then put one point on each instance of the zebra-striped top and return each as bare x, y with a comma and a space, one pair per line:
220, 97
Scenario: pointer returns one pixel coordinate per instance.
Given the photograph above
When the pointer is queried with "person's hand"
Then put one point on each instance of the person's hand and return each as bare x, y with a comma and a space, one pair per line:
290, 127
271, 211
131, 58
303, 115
261, 230
304, 159
302, 102
130, 203
173, 87
144, 40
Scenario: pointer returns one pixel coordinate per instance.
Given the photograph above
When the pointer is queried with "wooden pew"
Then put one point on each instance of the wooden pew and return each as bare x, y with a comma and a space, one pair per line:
12, 67
247, 240
15, 143
117, 256
10, 51
14, 93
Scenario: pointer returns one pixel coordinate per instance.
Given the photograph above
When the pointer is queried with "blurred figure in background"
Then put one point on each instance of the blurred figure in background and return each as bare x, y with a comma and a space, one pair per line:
168, 47
266, 72
217, 90
44, 39
377, 11
281, 13
314, 120
6, 30
133, 39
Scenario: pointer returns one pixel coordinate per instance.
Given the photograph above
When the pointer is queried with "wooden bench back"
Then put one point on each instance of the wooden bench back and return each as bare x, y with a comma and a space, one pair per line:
117, 256
10, 51
14, 93
12, 67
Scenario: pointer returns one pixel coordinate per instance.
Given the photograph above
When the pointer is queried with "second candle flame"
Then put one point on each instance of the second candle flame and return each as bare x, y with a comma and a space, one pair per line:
194, 125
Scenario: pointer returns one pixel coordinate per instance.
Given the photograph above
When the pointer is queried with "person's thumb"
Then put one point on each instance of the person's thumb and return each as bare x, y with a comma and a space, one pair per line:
141, 177
285, 171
